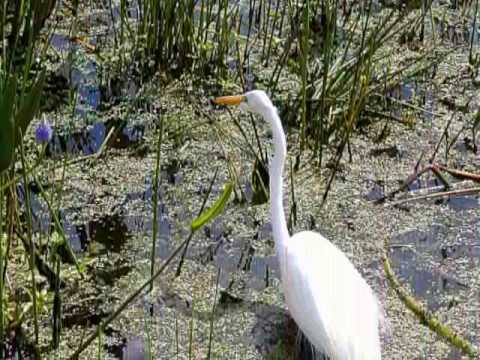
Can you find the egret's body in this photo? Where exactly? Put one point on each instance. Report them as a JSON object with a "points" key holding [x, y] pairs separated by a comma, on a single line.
{"points": [[327, 297], [329, 300]]}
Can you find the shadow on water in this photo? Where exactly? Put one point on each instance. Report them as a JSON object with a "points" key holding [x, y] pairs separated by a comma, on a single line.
{"points": [[95, 89], [91, 94], [466, 145], [89, 140], [376, 190], [40, 214], [109, 274], [404, 91], [240, 255], [82, 315], [460, 202], [81, 77], [455, 202], [457, 35], [418, 184], [276, 336], [111, 232], [16, 345], [123, 348], [411, 91], [409, 255]]}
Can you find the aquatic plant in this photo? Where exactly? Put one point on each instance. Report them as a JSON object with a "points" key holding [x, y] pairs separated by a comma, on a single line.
{"points": [[336, 71], [199, 37]]}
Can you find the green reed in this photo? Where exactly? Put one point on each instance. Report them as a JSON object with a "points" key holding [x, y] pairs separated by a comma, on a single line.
{"points": [[190, 331], [187, 36], [155, 200], [21, 85], [212, 315], [28, 210], [332, 96], [473, 60], [2, 260]]}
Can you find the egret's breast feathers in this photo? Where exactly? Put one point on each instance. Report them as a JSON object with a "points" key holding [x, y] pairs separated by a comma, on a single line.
{"points": [[329, 299]]}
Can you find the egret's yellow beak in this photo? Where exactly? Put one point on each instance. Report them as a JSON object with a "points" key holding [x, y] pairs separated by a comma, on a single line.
{"points": [[229, 100]]}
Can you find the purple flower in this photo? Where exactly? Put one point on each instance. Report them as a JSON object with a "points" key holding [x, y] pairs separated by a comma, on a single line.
{"points": [[43, 132]]}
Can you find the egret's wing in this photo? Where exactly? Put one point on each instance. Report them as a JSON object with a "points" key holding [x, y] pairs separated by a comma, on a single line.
{"points": [[330, 300]]}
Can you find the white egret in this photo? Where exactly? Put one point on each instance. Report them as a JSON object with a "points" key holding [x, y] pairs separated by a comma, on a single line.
{"points": [[326, 296]]}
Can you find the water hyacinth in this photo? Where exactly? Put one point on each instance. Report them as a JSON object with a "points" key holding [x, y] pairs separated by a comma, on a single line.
{"points": [[43, 131]]}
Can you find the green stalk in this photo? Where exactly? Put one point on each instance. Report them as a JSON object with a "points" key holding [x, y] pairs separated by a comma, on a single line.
{"points": [[272, 31], [180, 263], [177, 342], [470, 53], [57, 306], [304, 68], [190, 333], [30, 239], [148, 337], [155, 202], [265, 29], [100, 343], [2, 313], [212, 316], [59, 227], [200, 21]]}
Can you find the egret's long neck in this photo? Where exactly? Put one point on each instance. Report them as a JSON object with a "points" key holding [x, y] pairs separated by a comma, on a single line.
{"points": [[279, 225]]}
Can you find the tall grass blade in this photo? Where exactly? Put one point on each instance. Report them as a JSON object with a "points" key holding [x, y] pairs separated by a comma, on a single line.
{"points": [[29, 108], [7, 124]]}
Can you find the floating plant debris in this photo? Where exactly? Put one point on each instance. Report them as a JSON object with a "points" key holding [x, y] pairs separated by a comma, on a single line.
{"points": [[108, 274], [390, 151]]}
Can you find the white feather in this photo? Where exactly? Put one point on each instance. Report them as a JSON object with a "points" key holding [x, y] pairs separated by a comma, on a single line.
{"points": [[329, 299]]}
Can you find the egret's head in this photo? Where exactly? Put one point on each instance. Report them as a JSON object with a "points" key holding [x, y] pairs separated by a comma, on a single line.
{"points": [[256, 101]]}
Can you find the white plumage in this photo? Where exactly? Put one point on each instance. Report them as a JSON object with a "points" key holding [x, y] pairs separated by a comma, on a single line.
{"points": [[329, 300]]}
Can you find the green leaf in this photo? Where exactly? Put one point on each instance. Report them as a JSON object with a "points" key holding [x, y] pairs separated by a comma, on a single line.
{"points": [[29, 108], [7, 125], [216, 209]]}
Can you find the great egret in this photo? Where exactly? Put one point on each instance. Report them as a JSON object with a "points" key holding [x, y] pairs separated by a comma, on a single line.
{"points": [[326, 296]]}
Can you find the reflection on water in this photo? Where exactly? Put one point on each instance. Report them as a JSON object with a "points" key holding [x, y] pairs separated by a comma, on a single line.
{"points": [[409, 257], [89, 140]]}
